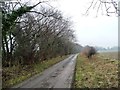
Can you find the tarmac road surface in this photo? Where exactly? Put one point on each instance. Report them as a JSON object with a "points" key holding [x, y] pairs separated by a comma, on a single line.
{"points": [[59, 75]]}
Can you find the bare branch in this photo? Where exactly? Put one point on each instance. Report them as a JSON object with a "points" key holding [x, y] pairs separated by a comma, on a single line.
{"points": [[89, 7], [109, 6]]}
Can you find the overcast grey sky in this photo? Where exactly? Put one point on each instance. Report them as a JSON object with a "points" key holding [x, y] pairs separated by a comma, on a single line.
{"points": [[89, 30]]}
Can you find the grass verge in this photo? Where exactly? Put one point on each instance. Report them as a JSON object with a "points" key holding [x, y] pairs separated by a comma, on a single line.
{"points": [[96, 72], [14, 75]]}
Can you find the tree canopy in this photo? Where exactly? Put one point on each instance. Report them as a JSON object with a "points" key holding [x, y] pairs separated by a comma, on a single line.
{"points": [[29, 36]]}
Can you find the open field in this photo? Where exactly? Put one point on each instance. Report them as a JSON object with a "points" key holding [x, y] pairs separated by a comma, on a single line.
{"points": [[110, 55], [99, 72]]}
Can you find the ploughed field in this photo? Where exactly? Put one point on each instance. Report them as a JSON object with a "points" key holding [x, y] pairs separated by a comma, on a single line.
{"points": [[101, 71]]}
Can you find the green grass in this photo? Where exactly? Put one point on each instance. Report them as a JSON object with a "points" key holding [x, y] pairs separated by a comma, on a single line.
{"points": [[17, 74], [96, 72]]}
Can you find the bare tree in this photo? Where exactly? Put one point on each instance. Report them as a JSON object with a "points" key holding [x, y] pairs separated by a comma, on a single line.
{"points": [[88, 51], [109, 7], [34, 35]]}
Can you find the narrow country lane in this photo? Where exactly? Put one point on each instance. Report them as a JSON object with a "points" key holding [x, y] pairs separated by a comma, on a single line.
{"points": [[58, 76]]}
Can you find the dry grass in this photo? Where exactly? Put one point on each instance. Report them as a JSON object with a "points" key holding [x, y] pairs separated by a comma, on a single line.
{"points": [[96, 72], [110, 55], [17, 74]]}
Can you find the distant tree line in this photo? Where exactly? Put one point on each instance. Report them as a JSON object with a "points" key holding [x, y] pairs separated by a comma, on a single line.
{"points": [[29, 36], [114, 48]]}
